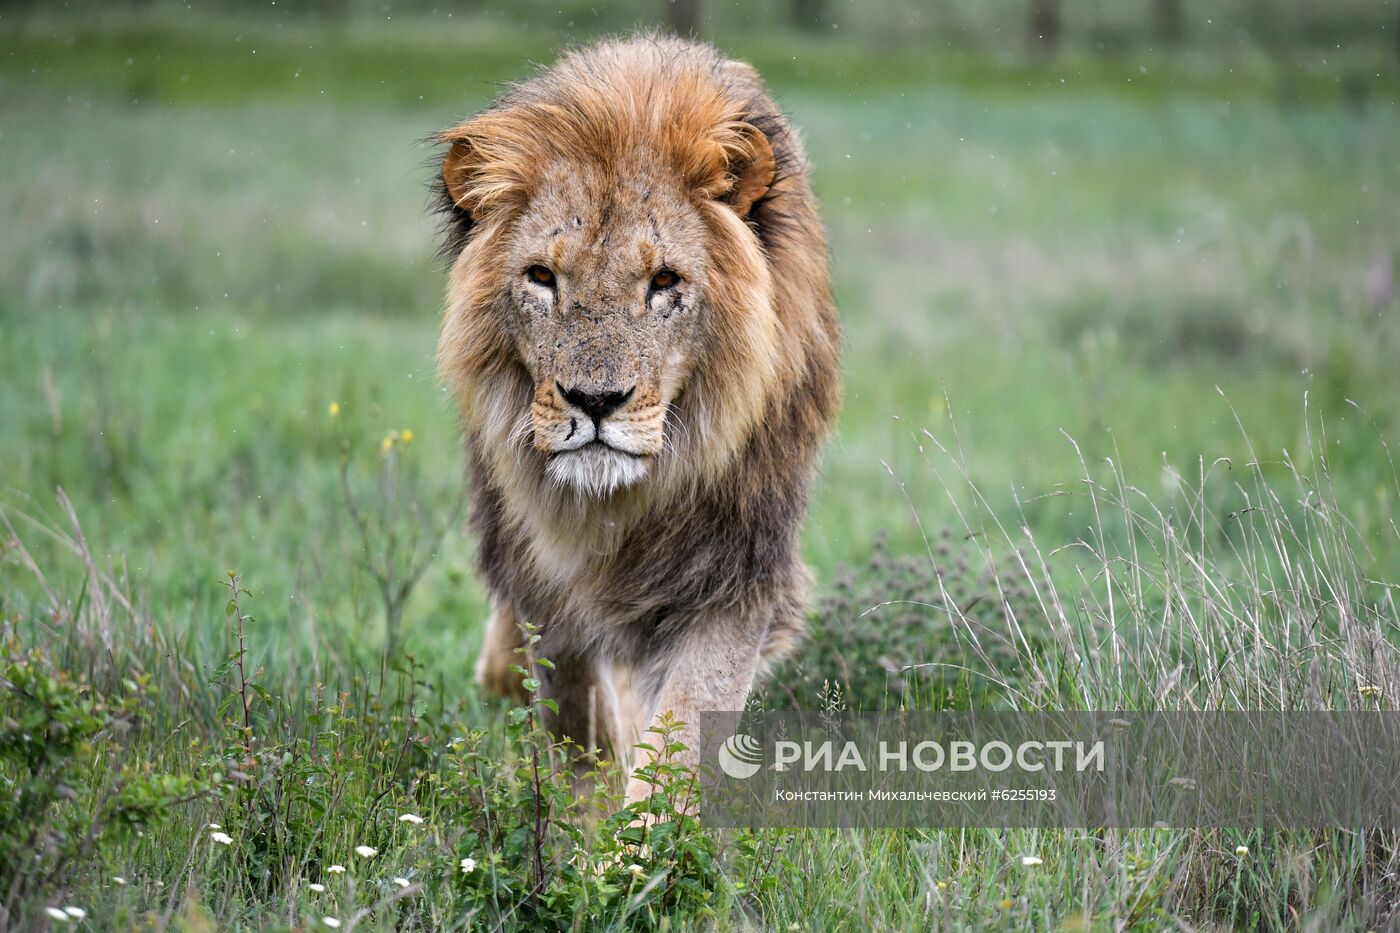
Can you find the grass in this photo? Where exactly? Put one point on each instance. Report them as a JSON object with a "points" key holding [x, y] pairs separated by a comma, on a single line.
{"points": [[209, 246]]}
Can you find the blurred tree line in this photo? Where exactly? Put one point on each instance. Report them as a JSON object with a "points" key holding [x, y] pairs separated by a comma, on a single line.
{"points": [[1043, 26]]}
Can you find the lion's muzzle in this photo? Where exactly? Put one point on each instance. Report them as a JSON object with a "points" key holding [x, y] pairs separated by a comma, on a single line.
{"points": [[595, 403], [595, 441]]}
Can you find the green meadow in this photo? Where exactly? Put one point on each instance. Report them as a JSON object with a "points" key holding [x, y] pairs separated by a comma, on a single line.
{"points": [[1121, 390]]}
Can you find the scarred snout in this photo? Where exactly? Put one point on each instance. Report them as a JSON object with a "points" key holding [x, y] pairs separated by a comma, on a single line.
{"points": [[598, 436], [568, 417], [596, 403]]}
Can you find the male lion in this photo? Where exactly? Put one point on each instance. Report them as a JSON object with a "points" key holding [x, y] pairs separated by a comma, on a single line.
{"points": [[640, 333]]}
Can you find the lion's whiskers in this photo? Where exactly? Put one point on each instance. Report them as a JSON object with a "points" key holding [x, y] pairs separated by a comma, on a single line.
{"points": [[669, 442], [522, 435]]}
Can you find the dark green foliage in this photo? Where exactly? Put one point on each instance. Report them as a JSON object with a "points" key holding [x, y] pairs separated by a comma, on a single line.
{"points": [[947, 628], [501, 828], [68, 783]]}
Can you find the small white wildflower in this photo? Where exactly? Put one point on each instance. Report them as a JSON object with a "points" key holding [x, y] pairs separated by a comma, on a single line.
{"points": [[366, 851], [401, 882], [1241, 851], [317, 887], [222, 838], [413, 818], [637, 870], [215, 826], [77, 913], [336, 869], [330, 922], [1030, 861], [118, 879], [56, 914], [468, 865]]}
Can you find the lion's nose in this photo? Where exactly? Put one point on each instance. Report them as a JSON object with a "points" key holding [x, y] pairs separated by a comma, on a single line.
{"points": [[596, 405]]}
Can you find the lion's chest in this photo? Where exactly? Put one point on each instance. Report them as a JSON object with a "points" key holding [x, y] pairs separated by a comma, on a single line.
{"points": [[568, 584], [618, 595], [628, 587]]}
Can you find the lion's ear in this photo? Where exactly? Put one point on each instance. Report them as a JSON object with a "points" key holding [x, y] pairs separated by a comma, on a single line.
{"points": [[752, 167], [453, 191], [485, 168], [459, 168], [487, 162]]}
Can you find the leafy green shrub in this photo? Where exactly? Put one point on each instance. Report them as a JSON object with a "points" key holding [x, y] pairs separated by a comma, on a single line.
{"points": [[52, 729]]}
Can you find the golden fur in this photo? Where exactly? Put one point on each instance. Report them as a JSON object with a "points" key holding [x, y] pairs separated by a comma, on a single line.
{"points": [[640, 335]]}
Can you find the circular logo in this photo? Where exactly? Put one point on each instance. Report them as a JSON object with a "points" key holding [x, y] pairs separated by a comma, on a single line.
{"points": [[740, 756]]}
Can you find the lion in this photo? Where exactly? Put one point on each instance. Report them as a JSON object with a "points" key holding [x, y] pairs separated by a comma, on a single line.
{"points": [[640, 334]]}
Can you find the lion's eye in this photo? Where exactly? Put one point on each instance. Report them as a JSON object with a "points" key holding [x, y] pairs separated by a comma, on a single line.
{"points": [[540, 275], [664, 279]]}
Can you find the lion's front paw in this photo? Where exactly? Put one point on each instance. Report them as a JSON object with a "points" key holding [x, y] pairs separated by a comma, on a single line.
{"points": [[495, 676], [502, 652]]}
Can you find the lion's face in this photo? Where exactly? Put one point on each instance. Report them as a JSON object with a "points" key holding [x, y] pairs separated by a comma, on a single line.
{"points": [[607, 287], [610, 323]]}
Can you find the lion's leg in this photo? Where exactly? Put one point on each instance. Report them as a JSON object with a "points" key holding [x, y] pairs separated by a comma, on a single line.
{"points": [[500, 651], [584, 712], [621, 709], [713, 670]]}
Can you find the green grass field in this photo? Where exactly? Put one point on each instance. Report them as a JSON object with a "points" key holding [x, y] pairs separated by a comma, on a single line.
{"points": [[1130, 319]]}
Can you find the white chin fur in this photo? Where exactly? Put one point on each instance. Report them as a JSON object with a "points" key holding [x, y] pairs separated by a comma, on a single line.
{"points": [[595, 470]]}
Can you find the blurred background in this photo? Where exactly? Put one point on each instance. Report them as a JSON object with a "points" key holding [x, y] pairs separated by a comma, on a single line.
{"points": [[1069, 237]]}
